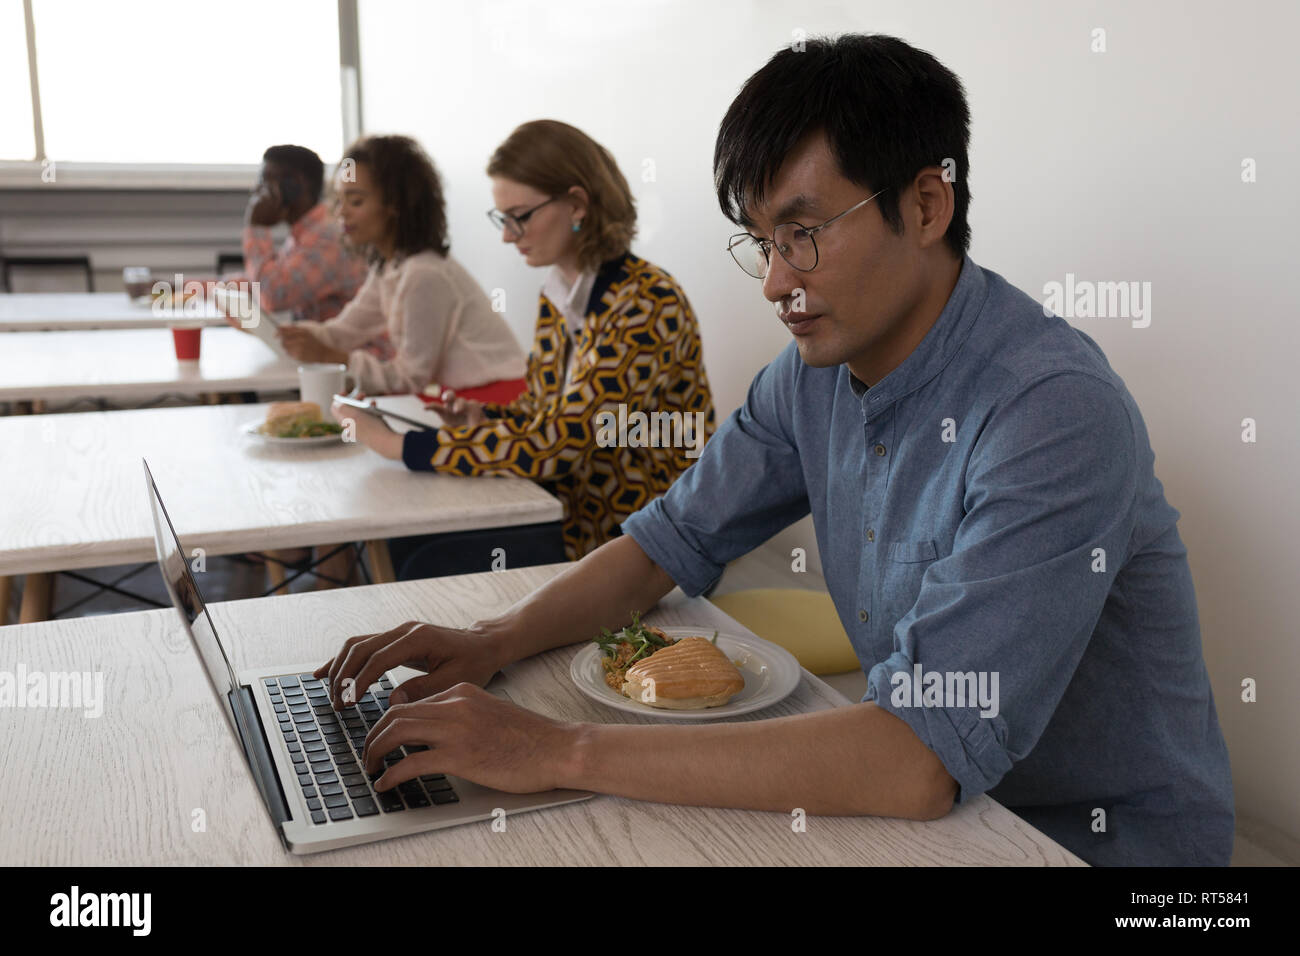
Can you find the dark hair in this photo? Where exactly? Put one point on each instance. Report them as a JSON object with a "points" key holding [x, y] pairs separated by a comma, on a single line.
{"points": [[887, 109], [407, 181], [552, 157], [302, 161]]}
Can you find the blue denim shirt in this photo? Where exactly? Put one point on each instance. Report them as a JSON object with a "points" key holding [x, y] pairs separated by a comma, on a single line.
{"points": [[989, 512]]}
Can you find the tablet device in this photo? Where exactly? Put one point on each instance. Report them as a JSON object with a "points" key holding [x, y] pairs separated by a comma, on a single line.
{"points": [[371, 408], [238, 302]]}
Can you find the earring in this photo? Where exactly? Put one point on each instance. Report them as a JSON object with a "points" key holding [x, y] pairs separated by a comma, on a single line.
{"points": [[577, 226]]}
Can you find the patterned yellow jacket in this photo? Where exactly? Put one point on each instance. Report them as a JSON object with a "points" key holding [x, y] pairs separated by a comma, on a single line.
{"points": [[637, 352]]}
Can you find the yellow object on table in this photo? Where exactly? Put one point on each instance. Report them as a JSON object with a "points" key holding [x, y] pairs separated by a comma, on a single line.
{"points": [[803, 622]]}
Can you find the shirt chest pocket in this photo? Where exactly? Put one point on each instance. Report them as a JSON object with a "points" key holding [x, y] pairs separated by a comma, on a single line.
{"points": [[912, 552], [900, 577]]}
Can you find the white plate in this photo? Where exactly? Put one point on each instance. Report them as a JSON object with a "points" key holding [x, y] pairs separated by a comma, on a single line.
{"points": [[252, 429], [771, 674]]}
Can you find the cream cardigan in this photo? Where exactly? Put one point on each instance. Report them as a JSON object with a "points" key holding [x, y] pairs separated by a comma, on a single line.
{"points": [[439, 323]]}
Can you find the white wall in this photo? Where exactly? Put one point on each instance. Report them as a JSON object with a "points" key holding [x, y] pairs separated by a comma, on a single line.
{"points": [[1122, 165]]}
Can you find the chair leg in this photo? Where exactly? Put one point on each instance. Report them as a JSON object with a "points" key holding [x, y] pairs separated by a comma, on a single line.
{"points": [[275, 573], [6, 595], [38, 598], [381, 562], [338, 566]]}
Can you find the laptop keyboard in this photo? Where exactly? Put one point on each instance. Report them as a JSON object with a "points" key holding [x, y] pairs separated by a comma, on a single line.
{"points": [[326, 747]]}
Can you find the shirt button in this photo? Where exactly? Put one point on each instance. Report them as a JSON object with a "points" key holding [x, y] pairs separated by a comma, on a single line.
{"points": [[880, 449], [862, 616], [871, 534]]}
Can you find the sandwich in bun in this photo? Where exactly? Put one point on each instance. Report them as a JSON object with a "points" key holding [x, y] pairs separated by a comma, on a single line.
{"points": [[690, 675], [296, 420], [646, 665]]}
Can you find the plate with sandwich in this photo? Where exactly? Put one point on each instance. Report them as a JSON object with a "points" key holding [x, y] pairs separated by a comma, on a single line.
{"points": [[684, 673], [295, 423]]}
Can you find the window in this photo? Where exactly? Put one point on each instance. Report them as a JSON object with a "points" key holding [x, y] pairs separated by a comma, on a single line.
{"points": [[17, 132], [153, 82]]}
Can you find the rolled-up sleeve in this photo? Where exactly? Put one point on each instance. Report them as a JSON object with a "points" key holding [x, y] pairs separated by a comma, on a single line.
{"points": [[1050, 503], [746, 486]]}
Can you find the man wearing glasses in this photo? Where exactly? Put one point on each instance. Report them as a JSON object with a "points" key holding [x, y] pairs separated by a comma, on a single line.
{"points": [[982, 488]]}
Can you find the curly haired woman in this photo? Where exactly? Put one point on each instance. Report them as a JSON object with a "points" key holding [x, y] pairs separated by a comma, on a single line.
{"points": [[438, 322]]}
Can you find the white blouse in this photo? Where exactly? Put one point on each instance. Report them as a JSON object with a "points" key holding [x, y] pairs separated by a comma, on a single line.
{"points": [[440, 325], [572, 303]]}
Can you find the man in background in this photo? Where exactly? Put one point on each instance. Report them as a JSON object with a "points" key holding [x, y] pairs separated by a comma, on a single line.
{"points": [[313, 274]]}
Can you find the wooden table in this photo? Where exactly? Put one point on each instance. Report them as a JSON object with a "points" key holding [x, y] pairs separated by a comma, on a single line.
{"points": [[79, 500], [65, 311], [135, 364], [121, 789]]}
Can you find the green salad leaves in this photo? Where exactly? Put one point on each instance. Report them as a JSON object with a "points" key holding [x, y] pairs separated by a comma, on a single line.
{"points": [[308, 430], [645, 641]]}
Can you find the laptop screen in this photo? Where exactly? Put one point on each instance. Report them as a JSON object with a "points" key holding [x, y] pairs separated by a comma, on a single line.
{"points": [[189, 602]]}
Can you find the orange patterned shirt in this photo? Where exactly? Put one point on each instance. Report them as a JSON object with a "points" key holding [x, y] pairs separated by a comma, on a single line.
{"points": [[313, 275]]}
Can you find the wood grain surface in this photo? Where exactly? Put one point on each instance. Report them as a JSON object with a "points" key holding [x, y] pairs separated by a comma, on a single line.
{"points": [[122, 788], [64, 311], [74, 490], [135, 364]]}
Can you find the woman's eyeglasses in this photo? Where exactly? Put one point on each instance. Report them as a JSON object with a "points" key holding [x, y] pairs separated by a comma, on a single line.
{"points": [[514, 225]]}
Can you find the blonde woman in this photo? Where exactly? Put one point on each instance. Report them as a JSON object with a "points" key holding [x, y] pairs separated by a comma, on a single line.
{"points": [[615, 335]]}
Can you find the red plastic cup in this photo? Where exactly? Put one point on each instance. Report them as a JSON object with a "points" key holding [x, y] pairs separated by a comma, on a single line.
{"points": [[187, 343]]}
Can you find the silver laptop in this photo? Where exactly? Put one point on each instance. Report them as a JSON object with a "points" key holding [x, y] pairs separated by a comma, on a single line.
{"points": [[304, 756]]}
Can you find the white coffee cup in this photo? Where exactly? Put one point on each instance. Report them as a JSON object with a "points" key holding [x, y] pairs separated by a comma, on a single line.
{"points": [[319, 382]]}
